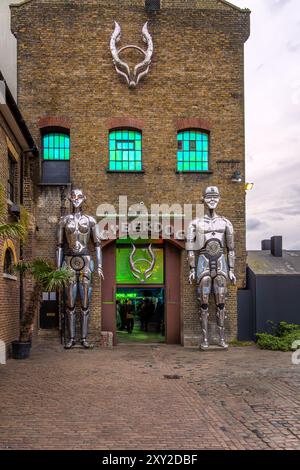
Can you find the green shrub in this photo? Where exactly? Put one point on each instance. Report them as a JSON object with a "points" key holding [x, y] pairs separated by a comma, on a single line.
{"points": [[282, 339]]}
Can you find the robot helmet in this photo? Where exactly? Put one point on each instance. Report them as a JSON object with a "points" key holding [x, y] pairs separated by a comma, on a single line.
{"points": [[211, 191]]}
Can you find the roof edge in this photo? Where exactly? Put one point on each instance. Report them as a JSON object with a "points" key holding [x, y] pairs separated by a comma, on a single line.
{"points": [[15, 5], [225, 2], [235, 7], [13, 107]]}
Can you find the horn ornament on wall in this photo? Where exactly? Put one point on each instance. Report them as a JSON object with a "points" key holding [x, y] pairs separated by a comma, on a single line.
{"points": [[122, 68], [142, 276]]}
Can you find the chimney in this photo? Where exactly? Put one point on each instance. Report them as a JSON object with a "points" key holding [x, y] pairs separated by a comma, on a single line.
{"points": [[152, 6], [276, 246], [266, 245]]}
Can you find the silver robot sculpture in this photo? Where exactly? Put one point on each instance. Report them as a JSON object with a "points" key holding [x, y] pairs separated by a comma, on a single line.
{"points": [[212, 235], [77, 229]]}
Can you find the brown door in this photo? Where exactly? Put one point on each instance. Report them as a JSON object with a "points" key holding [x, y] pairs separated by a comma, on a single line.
{"points": [[172, 282], [108, 313]]}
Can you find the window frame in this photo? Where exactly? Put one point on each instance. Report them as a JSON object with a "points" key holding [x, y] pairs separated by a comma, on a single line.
{"points": [[126, 129], [55, 130], [196, 130], [9, 252], [46, 178], [11, 184]]}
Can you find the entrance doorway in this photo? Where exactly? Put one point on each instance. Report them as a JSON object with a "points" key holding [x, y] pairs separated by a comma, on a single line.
{"points": [[170, 284], [140, 314], [49, 315]]}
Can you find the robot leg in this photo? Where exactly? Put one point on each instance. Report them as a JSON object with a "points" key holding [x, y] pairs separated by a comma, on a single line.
{"points": [[204, 289], [71, 311], [85, 292], [220, 289]]}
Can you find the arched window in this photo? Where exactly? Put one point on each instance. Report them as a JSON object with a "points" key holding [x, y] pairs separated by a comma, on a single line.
{"points": [[56, 156], [56, 146], [125, 150], [8, 262], [193, 150]]}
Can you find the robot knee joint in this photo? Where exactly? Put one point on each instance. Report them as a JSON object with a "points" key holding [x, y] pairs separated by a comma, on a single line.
{"points": [[221, 306]]}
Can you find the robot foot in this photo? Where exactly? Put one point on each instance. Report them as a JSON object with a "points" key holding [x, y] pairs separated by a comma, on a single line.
{"points": [[204, 345], [85, 344], [70, 344], [223, 344]]}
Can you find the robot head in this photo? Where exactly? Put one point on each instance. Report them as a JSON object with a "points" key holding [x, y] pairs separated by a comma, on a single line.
{"points": [[77, 198], [211, 197]]}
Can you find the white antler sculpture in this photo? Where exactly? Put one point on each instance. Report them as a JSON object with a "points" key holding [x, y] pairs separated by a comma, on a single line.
{"points": [[141, 69]]}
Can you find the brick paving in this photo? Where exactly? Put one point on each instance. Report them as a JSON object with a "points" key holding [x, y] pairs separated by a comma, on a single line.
{"points": [[150, 397]]}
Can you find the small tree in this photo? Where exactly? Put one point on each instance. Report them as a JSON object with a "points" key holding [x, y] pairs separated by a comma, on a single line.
{"points": [[15, 230], [47, 278]]}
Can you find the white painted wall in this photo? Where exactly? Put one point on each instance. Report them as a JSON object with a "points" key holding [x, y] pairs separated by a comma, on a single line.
{"points": [[8, 47]]}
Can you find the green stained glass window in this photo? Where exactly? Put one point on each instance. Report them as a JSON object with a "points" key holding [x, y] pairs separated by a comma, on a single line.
{"points": [[125, 150], [193, 150], [56, 146]]}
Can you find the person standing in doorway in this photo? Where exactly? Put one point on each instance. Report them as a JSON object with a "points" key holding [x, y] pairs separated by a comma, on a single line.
{"points": [[129, 316]]}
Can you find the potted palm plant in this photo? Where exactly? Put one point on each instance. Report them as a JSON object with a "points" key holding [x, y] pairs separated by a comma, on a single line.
{"points": [[46, 279], [45, 275]]}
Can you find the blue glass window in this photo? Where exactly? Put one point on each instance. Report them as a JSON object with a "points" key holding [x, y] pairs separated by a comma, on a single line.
{"points": [[193, 150], [125, 150], [56, 146]]}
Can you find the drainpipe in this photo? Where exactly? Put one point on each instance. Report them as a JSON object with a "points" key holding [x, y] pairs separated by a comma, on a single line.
{"points": [[21, 243], [23, 153]]}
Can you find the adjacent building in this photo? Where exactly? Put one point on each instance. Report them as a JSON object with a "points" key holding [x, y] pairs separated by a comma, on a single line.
{"points": [[17, 150], [163, 141], [271, 294]]}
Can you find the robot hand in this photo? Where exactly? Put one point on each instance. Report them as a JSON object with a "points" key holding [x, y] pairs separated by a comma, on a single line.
{"points": [[192, 275], [100, 272], [232, 277]]}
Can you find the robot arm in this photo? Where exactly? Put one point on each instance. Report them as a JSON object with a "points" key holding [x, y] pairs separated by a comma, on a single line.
{"points": [[230, 250], [60, 240], [190, 246], [97, 242]]}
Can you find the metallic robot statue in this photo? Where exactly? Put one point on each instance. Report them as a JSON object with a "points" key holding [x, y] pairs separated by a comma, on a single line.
{"points": [[211, 235], [77, 229]]}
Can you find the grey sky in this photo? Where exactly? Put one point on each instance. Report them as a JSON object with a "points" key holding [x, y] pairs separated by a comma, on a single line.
{"points": [[272, 115], [8, 44], [273, 120]]}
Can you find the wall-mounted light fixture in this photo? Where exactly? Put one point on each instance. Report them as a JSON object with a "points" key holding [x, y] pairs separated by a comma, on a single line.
{"points": [[249, 186], [152, 5], [237, 177]]}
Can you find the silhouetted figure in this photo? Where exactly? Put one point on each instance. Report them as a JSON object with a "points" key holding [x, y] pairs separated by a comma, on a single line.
{"points": [[123, 316], [160, 317], [129, 316]]}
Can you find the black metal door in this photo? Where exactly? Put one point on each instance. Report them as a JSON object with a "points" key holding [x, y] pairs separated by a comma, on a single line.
{"points": [[49, 312]]}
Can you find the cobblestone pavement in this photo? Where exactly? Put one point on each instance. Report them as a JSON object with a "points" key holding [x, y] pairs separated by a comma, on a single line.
{"points": [[150, 397]]}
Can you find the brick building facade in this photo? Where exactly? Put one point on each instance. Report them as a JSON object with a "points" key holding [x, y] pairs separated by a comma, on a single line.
{"points": [[68, 84], [16, 183]]}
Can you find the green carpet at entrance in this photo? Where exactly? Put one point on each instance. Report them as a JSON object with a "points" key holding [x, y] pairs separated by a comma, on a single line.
{"points": [[138, 336]]}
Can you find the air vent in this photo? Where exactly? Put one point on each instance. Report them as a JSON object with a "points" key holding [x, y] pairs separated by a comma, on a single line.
{"points": [[152, 5]]}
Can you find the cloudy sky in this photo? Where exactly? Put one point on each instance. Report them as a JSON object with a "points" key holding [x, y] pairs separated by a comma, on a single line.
{"points": [[272, 117], [273, 121]]}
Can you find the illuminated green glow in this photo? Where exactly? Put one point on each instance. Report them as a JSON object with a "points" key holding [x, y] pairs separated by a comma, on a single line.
{"points": [[56, 146], [128, 295], [123, 270], [193, 148], [125, 150]]}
